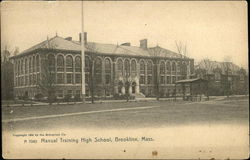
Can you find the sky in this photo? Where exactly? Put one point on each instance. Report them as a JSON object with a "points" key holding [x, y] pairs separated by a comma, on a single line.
{"points": [[210, 29]]}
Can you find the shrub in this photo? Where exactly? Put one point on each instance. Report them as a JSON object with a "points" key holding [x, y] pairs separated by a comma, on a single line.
{"points": [[67, 98], [38, 96], [77, 98]]}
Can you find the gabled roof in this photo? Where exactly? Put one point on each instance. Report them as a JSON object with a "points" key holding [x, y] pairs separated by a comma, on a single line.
{"points": [[210, 66], [162, 52], [70, 45]]}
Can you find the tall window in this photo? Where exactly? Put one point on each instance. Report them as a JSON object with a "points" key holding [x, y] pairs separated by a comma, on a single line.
{"points": [[127, 67], [178, 67], [69, 68], [37, 63], [30, 64], [142, 72], [173, 67], [107, 71], [51, 62], [120, 66], [162, 68], [162, 72], [78, 78], [26, 67], [87, 70], [150, 72], [217, 76], [87, 64], [133, 66], [33, 64], [98, 71], [78, 64], [60, 78], [21, 66], [69, 78], [69, 64], [60, 63]]}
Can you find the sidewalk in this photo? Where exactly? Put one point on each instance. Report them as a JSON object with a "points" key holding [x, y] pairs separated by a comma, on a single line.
{"points": [[214, 98]]}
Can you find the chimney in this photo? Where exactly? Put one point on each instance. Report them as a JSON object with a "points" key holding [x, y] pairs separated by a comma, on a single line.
{"points": [[69, 38], [125, 44], [144, 43], [85, 37]]}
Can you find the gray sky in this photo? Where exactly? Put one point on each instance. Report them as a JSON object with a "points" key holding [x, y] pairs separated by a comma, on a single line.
{"points": [[214, 30]]}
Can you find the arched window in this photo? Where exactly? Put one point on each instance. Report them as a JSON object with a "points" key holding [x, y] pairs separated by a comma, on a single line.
{"points": [[142, 67], [127, 67], [21, 66], [37, 63], [87, 64], [60, 63], [150, 72], [98, 71], [162, 68], [78, 68], [60, 68], [69, 68], [30, 64], [162, 72], [26, 66], [168, 68], [69, 64], [142, 72], [173, 67], [78, 64], [87, 70], [133, 66], [120, 66], [107, 71], [33, 62]]}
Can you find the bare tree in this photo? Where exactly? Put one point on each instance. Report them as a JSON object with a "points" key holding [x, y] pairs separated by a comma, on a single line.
{"points": [[181, 48], [227, 61], [47, 80]]}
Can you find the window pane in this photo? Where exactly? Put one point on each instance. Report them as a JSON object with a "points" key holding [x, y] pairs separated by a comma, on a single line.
{"points": [[69, 78]]}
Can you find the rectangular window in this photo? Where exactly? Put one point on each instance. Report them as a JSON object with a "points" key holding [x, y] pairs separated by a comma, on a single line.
{"points": [[60, 69], [38, 78], [87, 78], [149, 79], [78, 93], [34, 79], [87, 92], [31, 78], [59, 93], [142, 80], [69, 79], [173, 79], [26, 80], [60, 78], [168, 80], [162, 80], [70, 92], [78, 78]]}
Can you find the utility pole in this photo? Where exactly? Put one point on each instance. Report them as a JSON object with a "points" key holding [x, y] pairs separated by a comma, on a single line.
{"points": [[83, 57]]}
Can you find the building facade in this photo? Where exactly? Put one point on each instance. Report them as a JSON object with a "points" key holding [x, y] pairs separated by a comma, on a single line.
{"points": [[109, 69], [225, 78]]}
